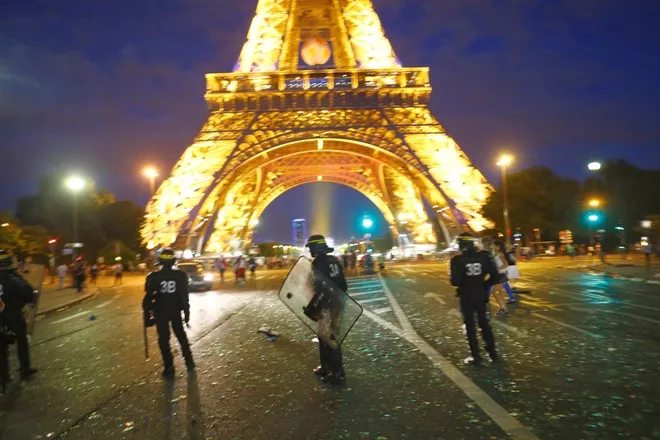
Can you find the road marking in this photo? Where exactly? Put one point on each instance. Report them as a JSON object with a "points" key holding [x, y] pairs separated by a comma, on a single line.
{"points": [[362, 277], [509, 424], [382, 310], [563, 324], [116, 297], [396, 308], [370, 300], [615, 312], [103, 304], [71, 317], [436, 297], [362, 292], [410, 280], [353, 295], [357, 283], [511, 328]]}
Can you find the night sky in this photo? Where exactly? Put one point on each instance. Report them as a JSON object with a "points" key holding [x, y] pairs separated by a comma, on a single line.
{"points": [[105, 86]]}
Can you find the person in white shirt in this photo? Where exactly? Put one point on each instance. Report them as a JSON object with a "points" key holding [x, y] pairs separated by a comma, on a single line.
{"points": [[62, 269]]}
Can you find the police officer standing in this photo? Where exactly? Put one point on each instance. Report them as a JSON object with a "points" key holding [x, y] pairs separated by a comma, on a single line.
{"points": [[327, 304], [166, 297], [468, 274], [16, 293]]}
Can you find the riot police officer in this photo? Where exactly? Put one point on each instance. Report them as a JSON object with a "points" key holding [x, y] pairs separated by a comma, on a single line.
{"points": [[16, 293], [166, 297], [327, 303], [468, 274]]}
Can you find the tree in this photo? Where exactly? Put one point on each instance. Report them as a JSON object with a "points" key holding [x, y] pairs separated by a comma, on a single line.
{"points": [[538, 198], [120, 221], [22, 240]]}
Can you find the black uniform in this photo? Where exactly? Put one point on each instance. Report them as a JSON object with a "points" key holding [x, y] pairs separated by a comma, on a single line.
{"points": [[327, 267], [167, 296], [16, 293], [468, 273]]}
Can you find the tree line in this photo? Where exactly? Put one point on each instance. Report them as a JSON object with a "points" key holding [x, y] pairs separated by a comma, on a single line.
{"points": [[107, 227], [540, 199]]}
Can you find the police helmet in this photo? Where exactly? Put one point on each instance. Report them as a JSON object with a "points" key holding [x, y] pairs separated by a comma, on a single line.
{"points": [[317, 245], [466, 241], [166, 257], [6, 258]]}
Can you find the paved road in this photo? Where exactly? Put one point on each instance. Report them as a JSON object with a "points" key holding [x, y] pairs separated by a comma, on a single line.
{"points": [[581, 357]]}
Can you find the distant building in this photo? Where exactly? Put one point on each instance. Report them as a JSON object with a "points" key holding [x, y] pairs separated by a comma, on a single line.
{"points": [[299, 232]]}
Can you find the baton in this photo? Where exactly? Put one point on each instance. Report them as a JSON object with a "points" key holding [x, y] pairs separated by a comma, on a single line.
{"points": [[146, 343]]}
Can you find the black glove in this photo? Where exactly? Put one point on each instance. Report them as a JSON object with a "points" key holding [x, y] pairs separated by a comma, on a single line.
{"points": [[149, 319], [186, 316], [311, 313]]}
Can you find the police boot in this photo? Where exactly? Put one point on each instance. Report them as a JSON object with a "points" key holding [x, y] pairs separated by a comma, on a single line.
{"points": [[321, 371], [475, 361], [27, 373], [190, 363], [494, 357], [335, 378], [168, 371]]}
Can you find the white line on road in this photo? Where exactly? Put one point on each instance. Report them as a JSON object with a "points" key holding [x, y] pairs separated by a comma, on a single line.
{"points": [[436, 297], [359, 283], [498, 414], [351, 294], [563, 324], [382, 310], [370, 300], [71, 317], [103, 304], [362, 292], [410, 280]]}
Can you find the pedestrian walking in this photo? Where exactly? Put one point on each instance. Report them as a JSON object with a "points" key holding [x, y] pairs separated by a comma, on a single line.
{"points": [[166, 297], [118, 270], [353, 262], [468, 274], [62, 270], [221, 265], [241, 266], [502, 263], [79, 274], [252, 265], [93, 274]]}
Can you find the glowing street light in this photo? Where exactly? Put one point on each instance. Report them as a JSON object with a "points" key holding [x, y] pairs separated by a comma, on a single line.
{"points": [[594, 203], [151, 174], [594, 166], [504, 161], [4, 225], [75, 184], [593, 218], [367, 223]]}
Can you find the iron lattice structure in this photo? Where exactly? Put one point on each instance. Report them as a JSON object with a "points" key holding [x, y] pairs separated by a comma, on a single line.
{"points": [[317, 94]]}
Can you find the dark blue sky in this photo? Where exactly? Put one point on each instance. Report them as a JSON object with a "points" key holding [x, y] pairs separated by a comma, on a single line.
{"points": [[105, 86]]}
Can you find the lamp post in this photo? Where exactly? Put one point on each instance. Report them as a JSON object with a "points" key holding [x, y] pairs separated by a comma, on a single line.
{"points": [[75, 184], [151, 174], [504, 161], [594, 166]]}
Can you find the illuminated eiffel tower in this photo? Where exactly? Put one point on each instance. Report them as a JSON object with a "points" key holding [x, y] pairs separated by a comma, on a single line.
{"points": [[317, 94]]}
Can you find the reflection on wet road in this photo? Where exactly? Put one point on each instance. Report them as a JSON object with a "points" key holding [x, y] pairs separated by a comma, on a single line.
{"points": [[580, 360]]}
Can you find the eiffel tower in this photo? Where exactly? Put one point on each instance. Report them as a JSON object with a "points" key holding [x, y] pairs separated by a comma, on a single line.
{"points": [[317, 94]]}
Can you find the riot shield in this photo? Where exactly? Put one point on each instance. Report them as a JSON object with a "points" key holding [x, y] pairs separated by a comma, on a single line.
{"points": [[34, 275], [332, 323]]}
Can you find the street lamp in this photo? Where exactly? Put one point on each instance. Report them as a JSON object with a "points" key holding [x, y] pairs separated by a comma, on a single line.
{"points": [[75, 184], [505, 160], [594, 166], [593, 218], [594, 203], [151, 174], [367, 223]]}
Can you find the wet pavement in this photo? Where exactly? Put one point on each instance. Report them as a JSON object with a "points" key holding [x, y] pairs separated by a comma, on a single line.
{"points": [[581, 359]]}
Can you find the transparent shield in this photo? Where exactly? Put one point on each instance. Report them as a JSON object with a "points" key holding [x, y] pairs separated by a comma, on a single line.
{"points": [[333, 321], [34, 275]]}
